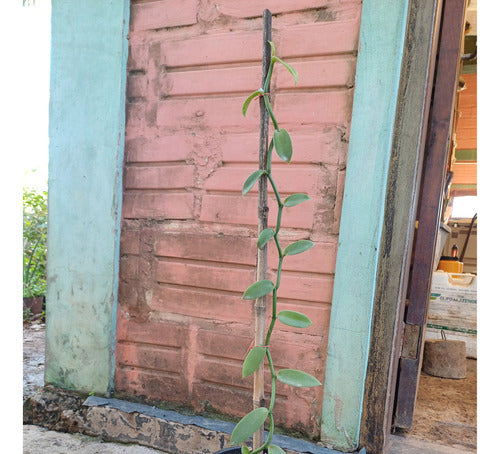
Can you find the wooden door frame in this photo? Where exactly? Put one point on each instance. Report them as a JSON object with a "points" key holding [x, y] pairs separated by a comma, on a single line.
{"points": [[404, 179], [399, 218], [430, 205]]}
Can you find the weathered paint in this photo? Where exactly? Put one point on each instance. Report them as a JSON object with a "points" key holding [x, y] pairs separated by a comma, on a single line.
{"points": [[87, 121], [377, 81]]}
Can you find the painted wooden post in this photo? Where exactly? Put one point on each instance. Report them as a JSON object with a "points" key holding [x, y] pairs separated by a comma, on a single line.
{"points": [[86, 129], [376, 88], [410, 133]]}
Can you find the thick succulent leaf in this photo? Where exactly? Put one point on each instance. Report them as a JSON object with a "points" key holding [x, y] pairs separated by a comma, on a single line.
{"points": [[297, 247], [253, 360], [245, 450], [264, 237], [248, 425], [273, 449], [297, 378], [258, 289], [295, 199], [290, 69], [295, 319], [283, 144], [251, 180], [249, 100]]}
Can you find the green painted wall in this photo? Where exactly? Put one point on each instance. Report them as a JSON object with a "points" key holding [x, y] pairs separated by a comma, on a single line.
{"points": [[382, 33], [89, 51]]}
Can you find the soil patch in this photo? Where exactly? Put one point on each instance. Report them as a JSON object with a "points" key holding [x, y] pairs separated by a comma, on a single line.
{"points": [[33, 357], [446, 410]]}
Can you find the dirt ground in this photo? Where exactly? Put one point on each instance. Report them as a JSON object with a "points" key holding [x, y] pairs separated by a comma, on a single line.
{"points": [[33, 357], [446, 410], [445, 413]]}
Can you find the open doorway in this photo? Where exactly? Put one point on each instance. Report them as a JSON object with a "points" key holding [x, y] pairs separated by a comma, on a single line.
{"points": [[445, 410]]}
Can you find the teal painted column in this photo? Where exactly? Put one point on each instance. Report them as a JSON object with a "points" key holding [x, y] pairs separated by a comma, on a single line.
{"points": [[89, 52], [382, 33]]}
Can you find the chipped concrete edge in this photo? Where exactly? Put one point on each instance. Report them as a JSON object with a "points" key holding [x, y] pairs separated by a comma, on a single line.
{"points": [[128, 422]]}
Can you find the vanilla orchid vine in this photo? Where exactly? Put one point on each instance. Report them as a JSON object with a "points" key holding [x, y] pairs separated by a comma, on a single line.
{"points": [[282, 144]]}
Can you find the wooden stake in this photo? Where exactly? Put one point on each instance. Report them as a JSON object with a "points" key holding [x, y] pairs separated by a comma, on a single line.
{"points": [[263, 210]]}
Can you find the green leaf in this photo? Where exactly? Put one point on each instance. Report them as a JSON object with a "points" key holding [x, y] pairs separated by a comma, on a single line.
{"points": [[253, 360], [258, 289], [290, 69], [264, 237], [295, 319], [295, 199], [297, 247], [245, 450], [273, 50], [283, 144], [248, 425], [273, 449], [251, 180], [249, 100], [297, 378]]}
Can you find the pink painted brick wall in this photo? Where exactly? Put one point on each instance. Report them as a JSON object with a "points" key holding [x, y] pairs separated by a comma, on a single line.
{"points": [[188, 236]]}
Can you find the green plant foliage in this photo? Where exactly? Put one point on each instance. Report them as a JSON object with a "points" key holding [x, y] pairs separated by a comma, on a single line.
{"points": [[295, 319], [295, 199], [249, 100], [290, 69], [251, 180], [297, 378], [258, 289], [265, 236], [298, 247], [34, 242], [273, 449], [248, 425], [253, 360], [282, 143]]}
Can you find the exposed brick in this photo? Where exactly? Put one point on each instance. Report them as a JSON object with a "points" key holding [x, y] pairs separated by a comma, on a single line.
{"points": [[161, 14], [158, 149], [211, 81], [233, 249], [188, 239], [138, 56], [129, 267], [289, 179], [137, 87], [204, 276], [216, 248], [158, 206], [159, 177], [150, 357], [151, 385], [246, 79], [318, 146], [129, 241], [329, 107], [212, 49], [166, 334], [321, 38], [236, 8], [201, 304], [242, 210]]}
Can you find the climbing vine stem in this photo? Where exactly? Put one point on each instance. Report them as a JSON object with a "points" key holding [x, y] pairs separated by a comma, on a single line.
{"points": [[282, 144]]}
